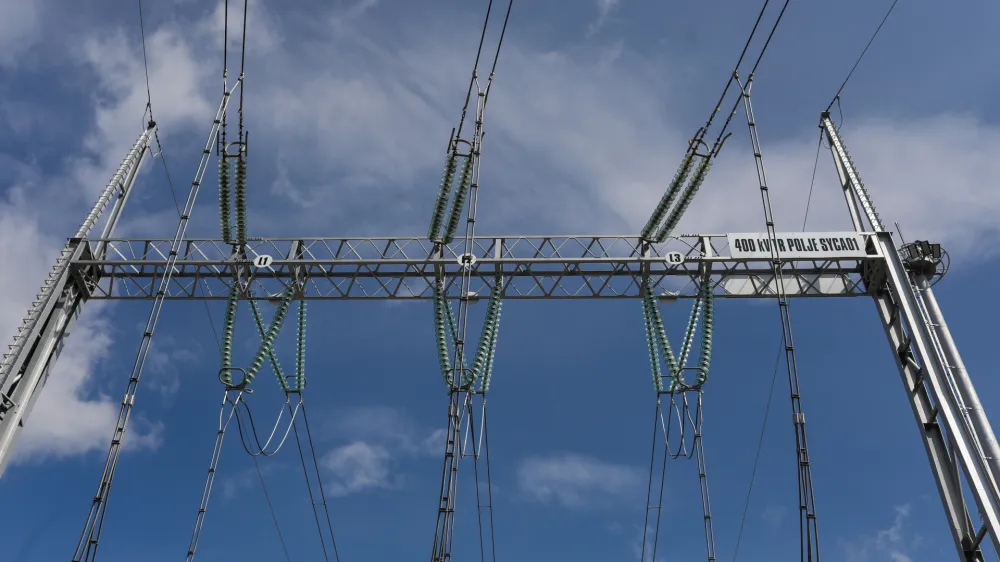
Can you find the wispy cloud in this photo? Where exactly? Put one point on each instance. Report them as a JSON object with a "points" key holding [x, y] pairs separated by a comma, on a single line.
{"points": [[893, 543], [235, 484], [68, 418], [604, 9], [357, 467], [576, 481], [380, 439], [18, 28]]}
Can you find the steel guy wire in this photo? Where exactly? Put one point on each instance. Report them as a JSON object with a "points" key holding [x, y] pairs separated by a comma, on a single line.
{"points": [[322, 493], [836, 96], [270, 508]]}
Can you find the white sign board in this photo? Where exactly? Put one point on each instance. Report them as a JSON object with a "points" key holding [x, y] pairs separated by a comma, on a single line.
{"points": [[798, 245]]}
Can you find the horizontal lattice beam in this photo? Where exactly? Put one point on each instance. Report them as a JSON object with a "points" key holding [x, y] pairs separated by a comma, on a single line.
{"points": [[534, 267]]}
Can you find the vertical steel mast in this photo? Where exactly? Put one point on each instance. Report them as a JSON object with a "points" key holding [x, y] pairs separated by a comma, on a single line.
{"points": [[25, 366], [955, 430]]}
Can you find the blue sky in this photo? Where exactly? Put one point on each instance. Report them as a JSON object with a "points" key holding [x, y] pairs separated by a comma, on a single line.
{"points": [[350, 104]]}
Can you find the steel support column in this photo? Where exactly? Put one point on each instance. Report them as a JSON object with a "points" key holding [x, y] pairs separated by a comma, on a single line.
{"points": [[927, 374], [26, 365]]}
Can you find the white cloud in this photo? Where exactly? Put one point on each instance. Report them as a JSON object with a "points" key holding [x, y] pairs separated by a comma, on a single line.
{"points": [[576, 481], [358, 467], [580, 139], [604, 9], [391, 428], [366, 463], [584, 139], [893, 543], [18, 28], [67, 419], [177, 80], [236, 483]]}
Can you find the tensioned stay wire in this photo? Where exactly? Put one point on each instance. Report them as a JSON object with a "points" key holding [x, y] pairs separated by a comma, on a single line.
{"points": [[862, 55], [760, 446], [162, 155], [305, 472]]}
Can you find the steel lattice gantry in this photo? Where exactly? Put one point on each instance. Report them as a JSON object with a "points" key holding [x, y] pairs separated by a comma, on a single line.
{"points": [[956, 434]]}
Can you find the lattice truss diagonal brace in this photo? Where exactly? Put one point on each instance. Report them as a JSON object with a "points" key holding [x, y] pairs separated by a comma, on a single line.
{"points": [[27, 363]]}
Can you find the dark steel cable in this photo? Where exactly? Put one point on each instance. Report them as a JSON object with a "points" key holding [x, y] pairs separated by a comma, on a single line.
{"points": [[319, 480], [270, 507], [225, 41], [739, 61], [503, 32], [312, 501], [173, 193], [865, 50], [261, 452], [657, 418], [489, 480], [159, 146], [812, 182], [475, 476], [721, 136], [145, 65], [475, 70], [243, 55], [760, 445]]}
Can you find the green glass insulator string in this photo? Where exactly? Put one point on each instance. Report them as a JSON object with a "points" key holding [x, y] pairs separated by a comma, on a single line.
{"points": [[461, 193], [443, 329], [268, 344], [649, 231], [241, 201], [693, 186], [228, 327], [300, 349], [658, 342], [224, 199], [444, 193], [282, 382]]}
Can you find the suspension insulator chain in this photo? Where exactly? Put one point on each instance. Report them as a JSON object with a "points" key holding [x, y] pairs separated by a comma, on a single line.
{"points": [[444, 328], [229, 325], [462, 191], [241, 200], [224, 199], [649, 231], [444, 331], [270, 353], [659, 343], [441, 205], [685, 201], [267, 346], [300, 349]]}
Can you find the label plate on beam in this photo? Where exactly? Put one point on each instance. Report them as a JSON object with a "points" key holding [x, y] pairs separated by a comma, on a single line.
{"points": [[798, 245]]}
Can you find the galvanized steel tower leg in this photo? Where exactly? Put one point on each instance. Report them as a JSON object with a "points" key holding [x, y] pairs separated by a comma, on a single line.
{"points": [[926, 376], [25, 366]]}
